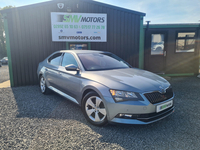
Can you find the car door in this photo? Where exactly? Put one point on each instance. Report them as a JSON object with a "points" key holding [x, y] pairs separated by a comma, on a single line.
{"points": [[70, 80], [51, 71]]}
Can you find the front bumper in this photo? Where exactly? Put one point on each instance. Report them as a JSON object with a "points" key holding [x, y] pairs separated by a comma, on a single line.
{"points": [[144, 118], [141, 112]]}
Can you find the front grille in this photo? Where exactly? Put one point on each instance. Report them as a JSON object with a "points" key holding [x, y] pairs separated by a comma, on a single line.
{"points": [[157, 97]]}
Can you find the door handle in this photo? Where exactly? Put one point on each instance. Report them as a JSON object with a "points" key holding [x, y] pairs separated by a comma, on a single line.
{"points": [[59, 73], [165, 53], [46, 69]]}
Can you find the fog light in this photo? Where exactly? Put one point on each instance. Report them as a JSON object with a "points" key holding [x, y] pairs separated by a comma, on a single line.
{"points": [[128, 115], [125, 115], [121, 115]]}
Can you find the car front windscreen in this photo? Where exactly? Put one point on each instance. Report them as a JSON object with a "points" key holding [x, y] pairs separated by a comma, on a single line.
{"points": [[101, 61]]}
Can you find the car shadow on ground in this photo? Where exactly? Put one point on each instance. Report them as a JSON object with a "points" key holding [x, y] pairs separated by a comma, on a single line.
{"points": [[180, 130]]}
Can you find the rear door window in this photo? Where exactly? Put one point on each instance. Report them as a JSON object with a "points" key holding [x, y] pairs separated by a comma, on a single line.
{"points": [[55, 59]]}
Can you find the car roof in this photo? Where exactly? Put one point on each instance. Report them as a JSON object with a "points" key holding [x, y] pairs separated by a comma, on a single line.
{"points": [[82, 51]]}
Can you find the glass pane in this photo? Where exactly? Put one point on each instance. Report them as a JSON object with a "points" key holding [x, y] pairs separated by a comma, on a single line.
{"points": [[55, 59], [186, 34], [103, 61], [69, 59], [157, 44], [185, 45], [78, 46]]}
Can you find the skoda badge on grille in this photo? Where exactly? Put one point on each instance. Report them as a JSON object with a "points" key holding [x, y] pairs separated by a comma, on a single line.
{"points": [[162, 90]]}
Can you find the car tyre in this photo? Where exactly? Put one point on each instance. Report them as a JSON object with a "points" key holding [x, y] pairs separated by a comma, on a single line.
{"points": [[94, 109], [43, 86]]}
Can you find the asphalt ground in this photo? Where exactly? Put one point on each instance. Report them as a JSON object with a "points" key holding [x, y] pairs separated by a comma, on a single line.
{"points": [[4, 73], [31, 120]]}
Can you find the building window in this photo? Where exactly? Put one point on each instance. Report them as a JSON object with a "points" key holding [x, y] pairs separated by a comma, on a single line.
{"points": [[185, 42], [157, 44]]}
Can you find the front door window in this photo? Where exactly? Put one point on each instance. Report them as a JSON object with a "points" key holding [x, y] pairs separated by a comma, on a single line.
{"points": [[68, 59]]}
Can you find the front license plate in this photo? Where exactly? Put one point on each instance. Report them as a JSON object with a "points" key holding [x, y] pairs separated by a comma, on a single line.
{"points": [[164, 106]]}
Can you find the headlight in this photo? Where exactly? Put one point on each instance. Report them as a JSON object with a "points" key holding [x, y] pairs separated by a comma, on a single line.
{"points": [[124, 96]]}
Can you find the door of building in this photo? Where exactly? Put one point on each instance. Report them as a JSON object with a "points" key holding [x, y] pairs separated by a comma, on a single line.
{"points": [[155, 51]]}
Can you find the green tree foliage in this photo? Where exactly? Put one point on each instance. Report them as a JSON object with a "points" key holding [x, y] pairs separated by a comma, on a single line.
{"points": [[2, 35]]}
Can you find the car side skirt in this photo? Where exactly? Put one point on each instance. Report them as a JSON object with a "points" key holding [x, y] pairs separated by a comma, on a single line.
{"points": [[63, 94]]}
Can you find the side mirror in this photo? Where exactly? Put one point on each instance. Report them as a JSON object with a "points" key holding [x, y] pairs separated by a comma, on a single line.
{"points": [[72, 67]]}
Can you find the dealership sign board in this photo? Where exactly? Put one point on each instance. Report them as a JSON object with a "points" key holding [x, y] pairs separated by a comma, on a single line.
{"points": [[82, 27]]}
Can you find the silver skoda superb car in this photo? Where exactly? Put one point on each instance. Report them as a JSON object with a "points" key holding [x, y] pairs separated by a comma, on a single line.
{"points": [[106, 87]]}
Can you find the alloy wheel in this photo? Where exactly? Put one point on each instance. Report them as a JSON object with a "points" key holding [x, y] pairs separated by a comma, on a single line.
{"points": [[42, 84], [95, 109]]}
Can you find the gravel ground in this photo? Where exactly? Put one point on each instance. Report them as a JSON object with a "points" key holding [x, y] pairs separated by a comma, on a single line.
{"points": [[4, 73], [30, 120]]}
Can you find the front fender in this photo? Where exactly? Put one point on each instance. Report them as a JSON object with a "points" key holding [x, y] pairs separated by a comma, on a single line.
{"points": [[101, 90]]}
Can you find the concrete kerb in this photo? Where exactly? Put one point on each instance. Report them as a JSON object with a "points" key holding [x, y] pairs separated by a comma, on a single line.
{"points": [[5, 84]]}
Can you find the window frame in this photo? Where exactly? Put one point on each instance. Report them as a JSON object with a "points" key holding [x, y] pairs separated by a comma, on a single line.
{"points": [[183, 38]]}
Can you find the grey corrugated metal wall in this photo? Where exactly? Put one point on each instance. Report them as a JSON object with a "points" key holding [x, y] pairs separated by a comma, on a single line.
{"points": [[30, 35]]}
